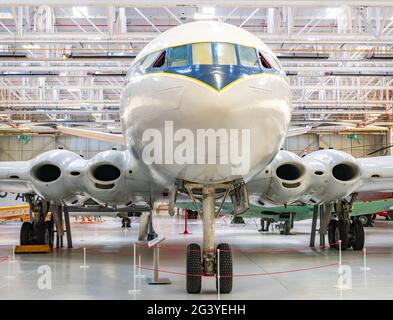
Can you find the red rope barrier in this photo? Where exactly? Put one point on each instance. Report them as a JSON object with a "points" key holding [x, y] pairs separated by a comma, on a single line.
{"points": [[254, 274], [182, 249]]}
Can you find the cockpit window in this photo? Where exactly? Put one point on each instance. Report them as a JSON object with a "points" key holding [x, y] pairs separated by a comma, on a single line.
{"points": [[136, 69], [178, 56], [226, 53], [149, 60], [160, 61], [248, 57], [274, 62], [264, 61], [202, 53]]}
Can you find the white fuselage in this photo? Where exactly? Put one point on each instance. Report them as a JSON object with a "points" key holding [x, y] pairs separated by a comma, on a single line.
{"points": [[257, 103]]}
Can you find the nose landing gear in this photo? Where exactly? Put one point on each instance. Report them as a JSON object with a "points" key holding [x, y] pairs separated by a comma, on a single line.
{"points": [[206, 261]]}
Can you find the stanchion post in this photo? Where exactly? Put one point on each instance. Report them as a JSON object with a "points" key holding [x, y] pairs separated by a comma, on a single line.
{"points": [[84, 266], [218, 274], [348, 275], [186, 223], [339, 254], [185, 232], [139, 267], [156, 280], [13, 254], [156, 261], [9, 276], [365, 268], [133, 291]]}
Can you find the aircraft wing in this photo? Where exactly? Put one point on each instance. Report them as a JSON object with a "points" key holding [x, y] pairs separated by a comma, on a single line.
{"points": [[12, 179], [90, 134], [320, 177], [297, 131], [119, 139]]}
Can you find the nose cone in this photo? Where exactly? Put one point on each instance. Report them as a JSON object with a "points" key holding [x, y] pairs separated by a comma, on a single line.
{"points": [[211, 136]]}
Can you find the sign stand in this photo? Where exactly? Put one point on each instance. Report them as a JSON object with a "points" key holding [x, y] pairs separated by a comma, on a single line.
{"points": [[155, 280]]}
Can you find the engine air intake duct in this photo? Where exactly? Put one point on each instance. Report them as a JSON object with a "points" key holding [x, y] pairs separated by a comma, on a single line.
{"points": [[47, 173], [106, 173], [289, 172], [345, 171]]}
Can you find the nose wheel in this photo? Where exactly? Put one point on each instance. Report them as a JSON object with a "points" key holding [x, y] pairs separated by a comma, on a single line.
{"points": [[225, 274], [223, 268], [194, 268]]}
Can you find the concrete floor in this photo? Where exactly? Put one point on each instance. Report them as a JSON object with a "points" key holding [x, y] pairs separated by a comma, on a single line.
{"points": [[267, 266]]}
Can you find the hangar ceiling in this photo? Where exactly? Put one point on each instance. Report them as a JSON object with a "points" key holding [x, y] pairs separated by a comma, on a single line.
{"points": [[65, 63]]}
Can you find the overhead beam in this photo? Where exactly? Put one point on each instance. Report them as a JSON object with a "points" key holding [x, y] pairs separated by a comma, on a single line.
{"points": [[222, 3], [145, 37]]}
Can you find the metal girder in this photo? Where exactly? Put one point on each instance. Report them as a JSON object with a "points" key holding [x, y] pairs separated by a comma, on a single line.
{"points": [[147, 19], [221, 3], [249, 17], [346, 33], [146, 36]]}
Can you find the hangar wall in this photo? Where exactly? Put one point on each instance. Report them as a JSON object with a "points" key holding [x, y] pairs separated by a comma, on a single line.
{"points": [[12, 149], [359, 146]]}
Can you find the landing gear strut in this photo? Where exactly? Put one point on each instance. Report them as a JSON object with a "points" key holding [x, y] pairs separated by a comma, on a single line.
{"points": [[39, 231], [205, 262], [349, 230]]}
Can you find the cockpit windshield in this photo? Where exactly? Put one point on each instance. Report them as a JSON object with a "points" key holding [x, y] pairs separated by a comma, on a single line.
{"points": [[204, 54]]}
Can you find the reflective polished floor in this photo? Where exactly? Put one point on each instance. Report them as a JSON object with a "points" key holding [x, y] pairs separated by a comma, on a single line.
{"points": [[266, 265]]}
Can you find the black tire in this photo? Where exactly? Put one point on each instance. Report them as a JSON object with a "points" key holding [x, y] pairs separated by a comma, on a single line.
{"points": [[237, 220], [51, 233], [226, 268], [42, 234], [194, 268], [332, 233], [26, 233], [192, 214], [286, 228], [342, 233], [357, 231]]}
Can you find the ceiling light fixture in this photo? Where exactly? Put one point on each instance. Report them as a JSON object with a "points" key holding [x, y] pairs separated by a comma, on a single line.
{"points": [[207, 13]]}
